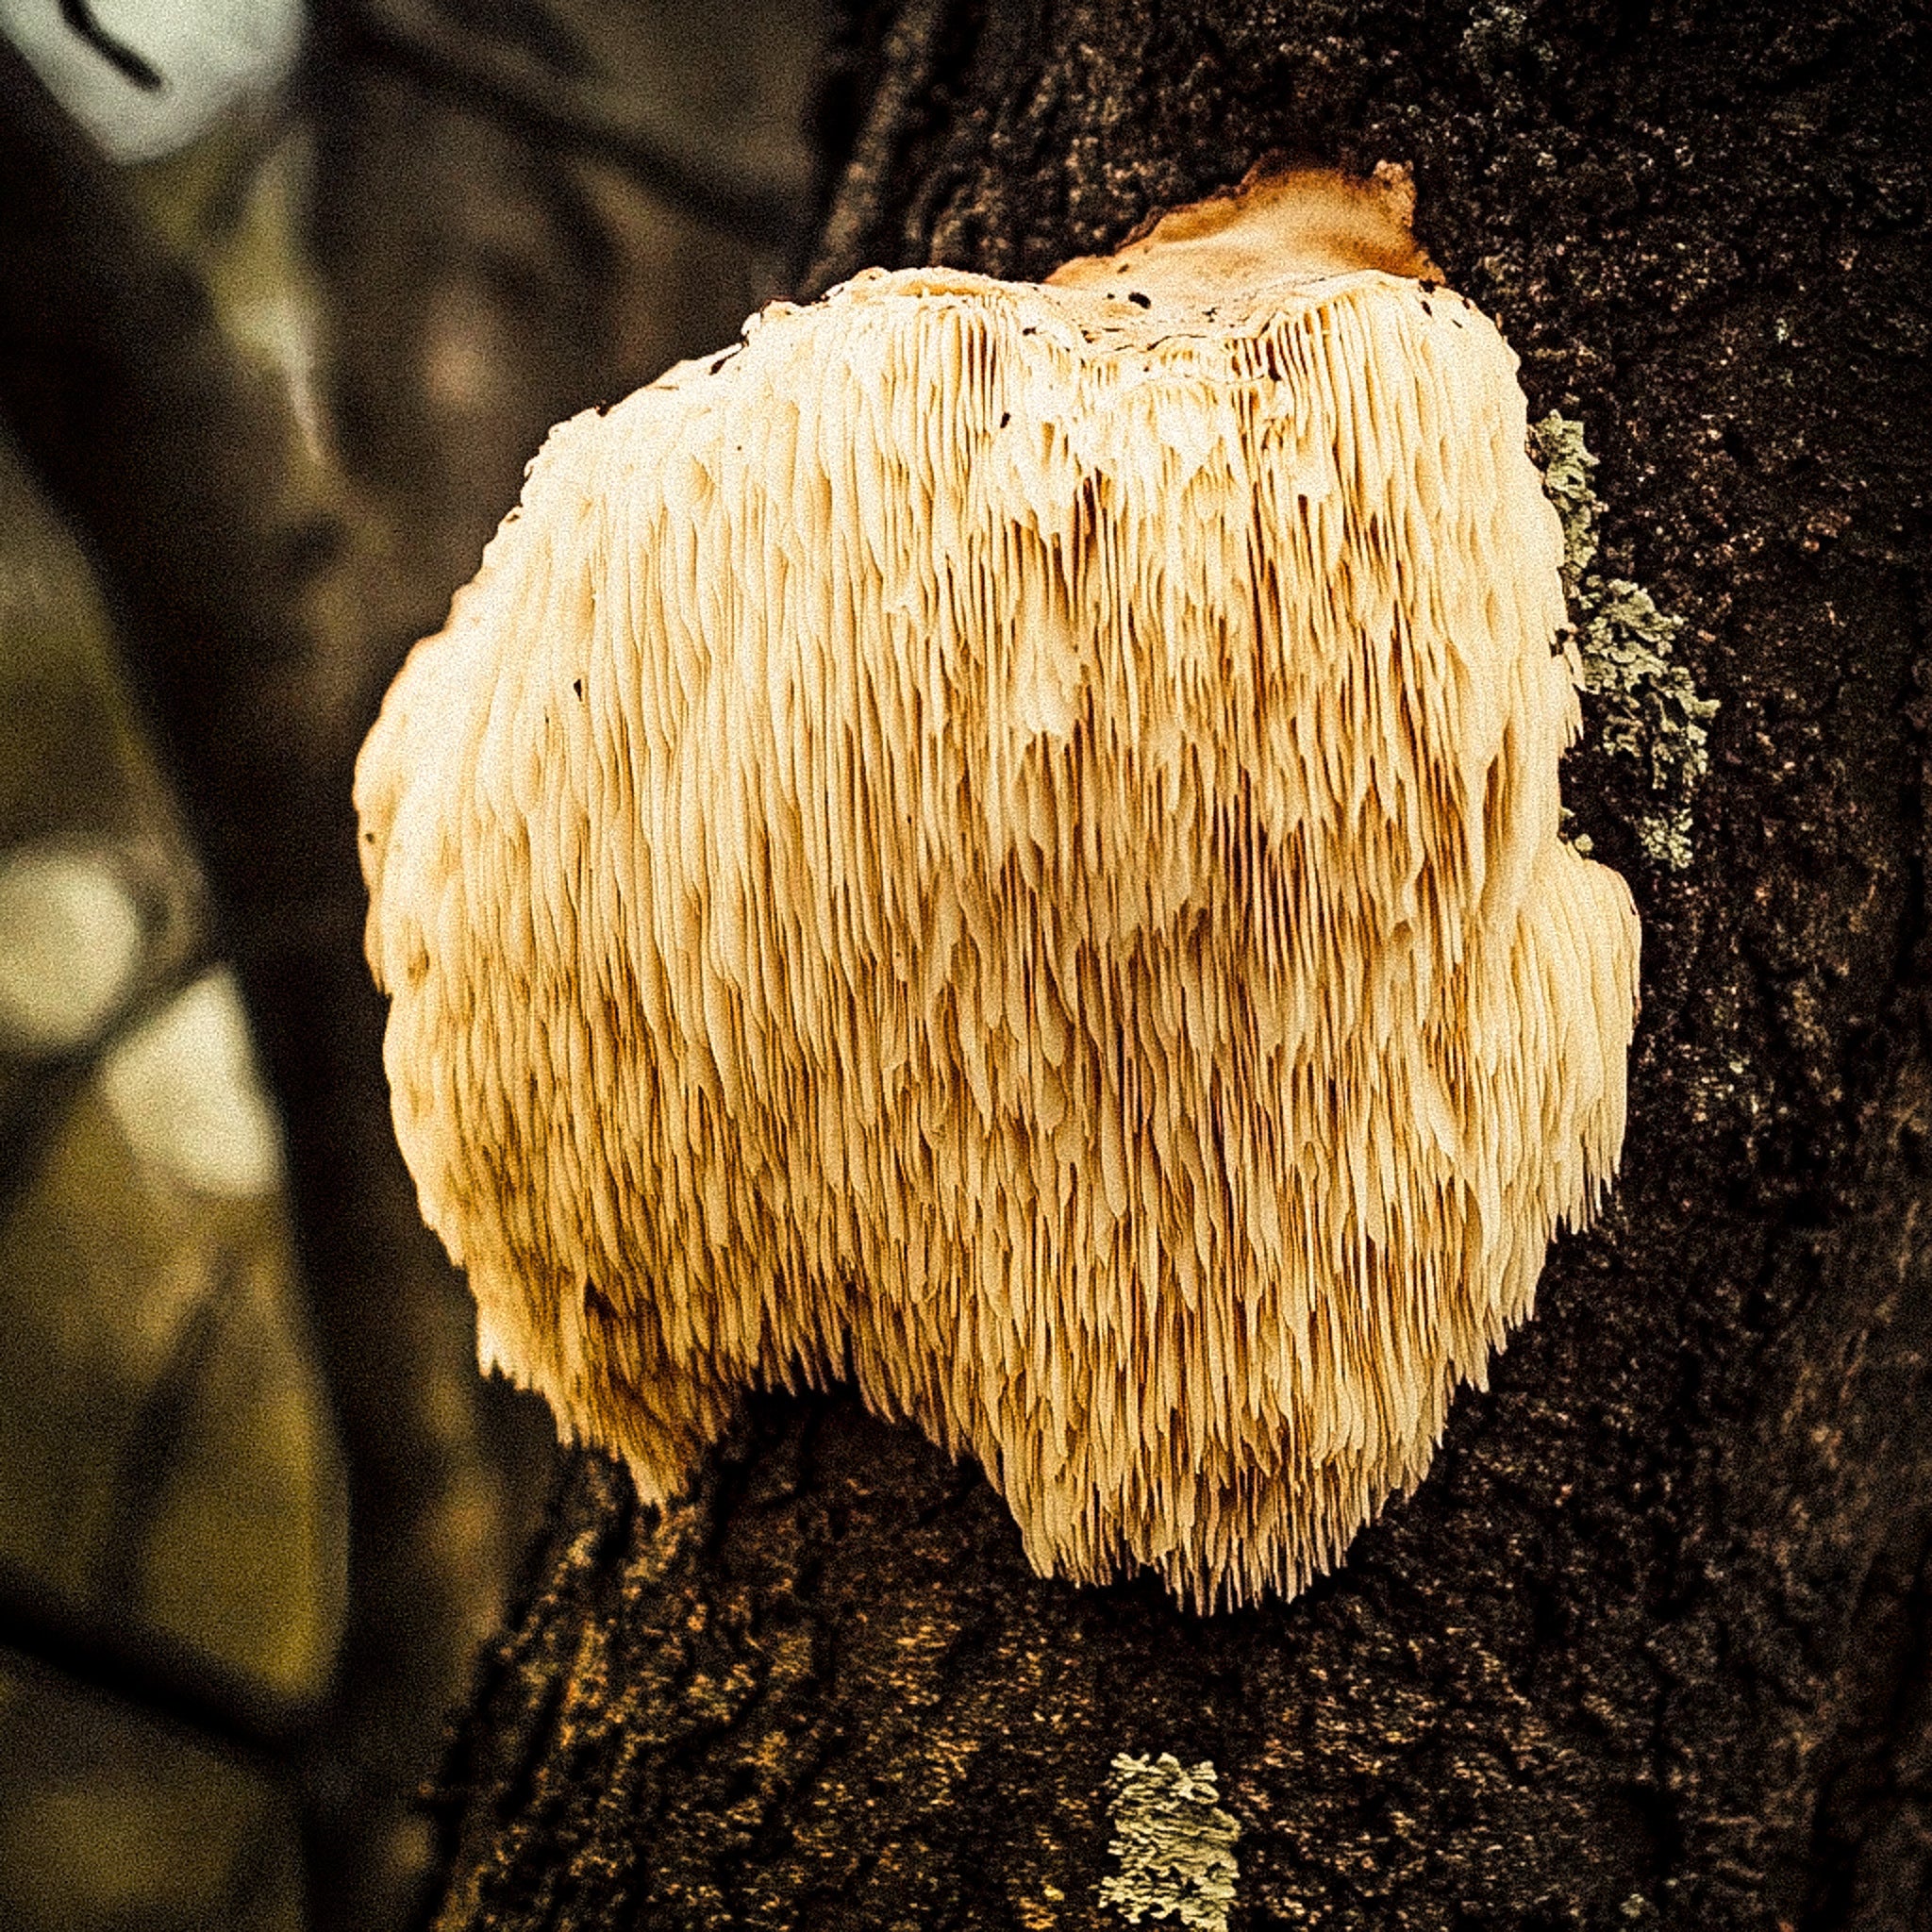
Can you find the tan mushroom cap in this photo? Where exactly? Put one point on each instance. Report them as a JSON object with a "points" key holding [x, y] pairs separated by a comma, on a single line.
{"points": [[1001, 842]]}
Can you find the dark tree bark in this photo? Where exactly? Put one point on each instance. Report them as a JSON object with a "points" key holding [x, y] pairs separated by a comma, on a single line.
{"points": [[1650, 1645]]}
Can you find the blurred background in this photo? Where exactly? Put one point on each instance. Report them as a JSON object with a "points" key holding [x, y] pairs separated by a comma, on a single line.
{"points": [[288, 298]]}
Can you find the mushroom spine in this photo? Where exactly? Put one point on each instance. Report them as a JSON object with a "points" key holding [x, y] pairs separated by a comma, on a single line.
{"points": [[1002, 841]]}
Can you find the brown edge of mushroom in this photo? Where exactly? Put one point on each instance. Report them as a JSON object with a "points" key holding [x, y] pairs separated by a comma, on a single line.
{"points": [[1277, 224]]}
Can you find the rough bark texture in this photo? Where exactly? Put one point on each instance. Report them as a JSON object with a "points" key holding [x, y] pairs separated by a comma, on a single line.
{"points": [[1649, 1645]]}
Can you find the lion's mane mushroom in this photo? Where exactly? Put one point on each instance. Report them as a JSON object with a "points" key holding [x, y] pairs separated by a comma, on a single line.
{"points": [[1001, 842]]}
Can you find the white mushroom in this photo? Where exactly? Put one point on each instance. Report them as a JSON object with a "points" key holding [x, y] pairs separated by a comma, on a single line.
{"points": [[1001, 842]]}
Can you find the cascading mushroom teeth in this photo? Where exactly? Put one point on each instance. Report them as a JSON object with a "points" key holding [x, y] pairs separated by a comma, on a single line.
{"points": [[1002, 841]]}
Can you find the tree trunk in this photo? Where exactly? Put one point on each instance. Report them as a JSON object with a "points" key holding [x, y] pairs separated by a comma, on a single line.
{"points": [[1649, 1645]]}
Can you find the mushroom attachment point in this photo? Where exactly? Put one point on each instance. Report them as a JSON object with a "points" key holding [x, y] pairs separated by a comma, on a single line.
{"points": [[1002, 843]]}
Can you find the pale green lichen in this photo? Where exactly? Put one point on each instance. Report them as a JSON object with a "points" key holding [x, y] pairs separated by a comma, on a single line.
{"points": [[1173, 1841], [1650, 712]]}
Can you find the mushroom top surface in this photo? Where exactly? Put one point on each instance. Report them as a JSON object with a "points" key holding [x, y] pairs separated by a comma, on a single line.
{"points": [[1004, 843]]}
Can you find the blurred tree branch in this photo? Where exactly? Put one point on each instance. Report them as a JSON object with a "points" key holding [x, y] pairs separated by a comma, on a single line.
{"points": [[575, 103], [80, 17], [252, 604]]}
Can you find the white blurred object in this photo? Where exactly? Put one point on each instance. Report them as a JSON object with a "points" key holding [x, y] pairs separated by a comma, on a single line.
{"points": [[70, 942], [207, 55], [184, 1088]]}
